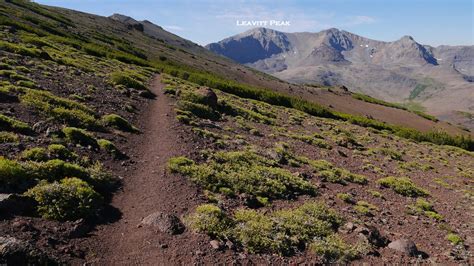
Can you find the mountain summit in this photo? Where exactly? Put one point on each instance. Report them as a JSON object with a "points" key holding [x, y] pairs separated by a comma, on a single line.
{"points": [[400, 71]]}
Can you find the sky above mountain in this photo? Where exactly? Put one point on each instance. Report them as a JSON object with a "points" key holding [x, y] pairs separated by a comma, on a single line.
{"points": [[432, 22]]}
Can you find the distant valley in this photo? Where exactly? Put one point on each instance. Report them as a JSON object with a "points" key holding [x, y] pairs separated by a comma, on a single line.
{"points": [[438, 80]]}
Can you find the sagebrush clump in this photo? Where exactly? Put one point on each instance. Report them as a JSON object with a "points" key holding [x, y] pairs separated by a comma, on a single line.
{"points": [[243, 172], [284, 231], [68, 199], [118, 122], [79, 136], [403, 186]]}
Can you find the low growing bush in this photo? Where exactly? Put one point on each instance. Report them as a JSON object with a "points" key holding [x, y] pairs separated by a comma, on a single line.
{"points": [[403, 186], [65, 110], [10, 124], [12, 175], [243, 172], [211, 220], [69, 199], [37, 154], [79, 136], [8, 137], [118, 122], [120, 78]]}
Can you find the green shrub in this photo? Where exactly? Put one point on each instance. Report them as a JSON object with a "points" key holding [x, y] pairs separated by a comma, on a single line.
{"points": [[12, 174], [403, 186], [211, 220], [58, 151], [369, 99], [199, 110], [121, 78], [118, 122], [109, 147], [237, 111], [11, 124], [55, 169], [101, 179], [79, 136], [333, 249], [375, 194], [21, 50], [329, 173], [8, 137], [256, 232], [424, 207], [365, 208], [313, 140], [62, 109], [26, 83], [37, 154], [454, 239], [394, 155], [69, 199], [243, 172], [346, 197], [95, 50], [286, 230]]}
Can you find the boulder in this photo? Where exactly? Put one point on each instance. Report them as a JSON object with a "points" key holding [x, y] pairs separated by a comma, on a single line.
{"points": [[163, 222], [406, 246], [208, 95]]}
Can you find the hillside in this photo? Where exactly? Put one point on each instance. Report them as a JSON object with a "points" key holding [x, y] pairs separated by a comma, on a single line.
{"points": [[435, 79], [121, 143]]}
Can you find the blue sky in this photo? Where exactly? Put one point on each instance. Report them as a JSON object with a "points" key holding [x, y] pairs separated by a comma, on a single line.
{"points": [[432, 22]]}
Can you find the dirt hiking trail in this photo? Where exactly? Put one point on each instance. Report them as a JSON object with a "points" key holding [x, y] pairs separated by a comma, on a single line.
{"points": [[148, 188]]}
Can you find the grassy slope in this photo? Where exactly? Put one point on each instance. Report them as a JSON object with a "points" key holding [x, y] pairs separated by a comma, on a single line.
{"points": [[354, 163]]}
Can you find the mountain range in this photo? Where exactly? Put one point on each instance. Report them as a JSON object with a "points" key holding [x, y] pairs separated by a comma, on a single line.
{"points": [[438, 80]]}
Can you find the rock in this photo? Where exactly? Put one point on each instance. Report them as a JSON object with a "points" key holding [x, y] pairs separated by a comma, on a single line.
{"points": [[199, 253], [459, 252], [22, 225], [343, 88], [350, 226], [215, 244], [341, 153], [404, 245], [208, 95], [347, 228], [146, 94], [372, 236], [229, 244], [17, 252], [166, 223], [79, 229], [163, 246], [4, 197]]}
